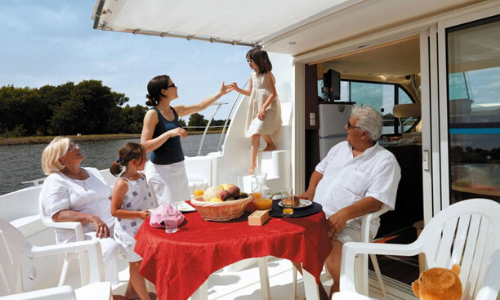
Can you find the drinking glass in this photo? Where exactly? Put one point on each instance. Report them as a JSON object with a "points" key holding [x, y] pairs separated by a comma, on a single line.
{"points": [[265, 202], [287, 201], [171, 218], [198, 189]]}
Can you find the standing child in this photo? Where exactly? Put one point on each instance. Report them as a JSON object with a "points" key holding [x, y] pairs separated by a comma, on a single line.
{"points": [[129, 204], [264, 111]]}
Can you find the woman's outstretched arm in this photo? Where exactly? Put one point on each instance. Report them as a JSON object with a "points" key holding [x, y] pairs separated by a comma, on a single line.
{"points": [[186, 110]]}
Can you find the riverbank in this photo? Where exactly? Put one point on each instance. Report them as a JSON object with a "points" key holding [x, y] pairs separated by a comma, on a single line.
{"points": [[31, 140]]}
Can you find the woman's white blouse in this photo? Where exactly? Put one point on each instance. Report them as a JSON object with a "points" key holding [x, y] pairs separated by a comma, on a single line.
{"points": [[89, 196]]}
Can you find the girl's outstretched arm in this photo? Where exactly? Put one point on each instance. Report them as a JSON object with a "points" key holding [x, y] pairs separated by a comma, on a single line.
{"points": [[119, 191], [235, 86], [186, 110]]}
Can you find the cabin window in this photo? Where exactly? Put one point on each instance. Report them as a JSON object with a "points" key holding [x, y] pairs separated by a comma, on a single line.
{"points": [[382, 97], [473, 67]]}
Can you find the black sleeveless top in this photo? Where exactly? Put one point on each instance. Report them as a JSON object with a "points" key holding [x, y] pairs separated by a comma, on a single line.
{"points": [[171, 151]]}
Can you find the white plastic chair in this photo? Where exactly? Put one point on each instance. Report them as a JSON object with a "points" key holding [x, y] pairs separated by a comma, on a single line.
{"points": [[81, 256], [466, 233], [362, 263], [17, 268]]}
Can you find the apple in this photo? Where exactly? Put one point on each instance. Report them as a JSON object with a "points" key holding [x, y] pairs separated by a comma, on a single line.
{"points": [[224, 195], [234, 191]]}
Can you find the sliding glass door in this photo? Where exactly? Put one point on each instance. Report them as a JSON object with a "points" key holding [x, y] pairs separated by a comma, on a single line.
{"points": [[470, 109]]}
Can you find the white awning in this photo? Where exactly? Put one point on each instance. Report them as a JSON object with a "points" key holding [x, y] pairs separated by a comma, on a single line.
{"points": [[227, 21]]}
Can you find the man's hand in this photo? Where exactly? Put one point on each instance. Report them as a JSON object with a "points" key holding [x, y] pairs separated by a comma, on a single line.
{"points": [[337, 222], [307, 195]]}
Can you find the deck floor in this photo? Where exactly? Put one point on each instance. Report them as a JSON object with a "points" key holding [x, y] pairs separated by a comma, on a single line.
{"points": [[229, 284]]}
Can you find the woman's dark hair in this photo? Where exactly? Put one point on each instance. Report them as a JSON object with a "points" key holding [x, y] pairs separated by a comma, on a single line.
{"points": [[126, 153], [261, 59], [155, 86]]}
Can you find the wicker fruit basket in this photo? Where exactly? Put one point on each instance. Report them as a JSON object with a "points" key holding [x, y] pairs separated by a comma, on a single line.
{"points": [[220, 211]]}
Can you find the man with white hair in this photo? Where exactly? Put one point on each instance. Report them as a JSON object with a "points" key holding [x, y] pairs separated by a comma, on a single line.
{"points": [[356, 177]]}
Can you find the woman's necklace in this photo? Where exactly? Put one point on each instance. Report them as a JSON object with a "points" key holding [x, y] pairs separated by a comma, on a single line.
{"points": [[80, 173], [84, 187]]}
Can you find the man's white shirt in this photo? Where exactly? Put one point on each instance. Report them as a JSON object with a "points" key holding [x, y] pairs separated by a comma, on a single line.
{"points": [[347, 179]]}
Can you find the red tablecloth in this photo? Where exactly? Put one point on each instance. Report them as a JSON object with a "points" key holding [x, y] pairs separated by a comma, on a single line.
{"points": [[179, 263]]}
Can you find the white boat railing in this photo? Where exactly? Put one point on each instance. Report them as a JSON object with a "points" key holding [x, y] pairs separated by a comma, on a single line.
{"points": [[219, 104], [219, 147]]}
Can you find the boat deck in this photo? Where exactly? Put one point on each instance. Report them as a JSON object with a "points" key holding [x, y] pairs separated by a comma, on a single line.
{"points": [[227, 284]]}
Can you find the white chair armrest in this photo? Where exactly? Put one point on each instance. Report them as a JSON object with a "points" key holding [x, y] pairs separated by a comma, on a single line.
{"points": [[47, 221], [92, 247], [366, 220], [351, 249], [76, 226], [62, 292]]}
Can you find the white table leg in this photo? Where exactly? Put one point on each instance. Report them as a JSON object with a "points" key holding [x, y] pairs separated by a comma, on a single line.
{"points": [[312, 292], [264, 278], [201, 293]]}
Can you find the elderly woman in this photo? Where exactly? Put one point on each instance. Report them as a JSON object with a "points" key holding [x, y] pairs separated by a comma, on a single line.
{"points": [[356, 177], [75, 194]]}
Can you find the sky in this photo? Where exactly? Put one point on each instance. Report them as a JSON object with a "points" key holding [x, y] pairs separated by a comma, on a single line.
{"points": [[52, 42]]}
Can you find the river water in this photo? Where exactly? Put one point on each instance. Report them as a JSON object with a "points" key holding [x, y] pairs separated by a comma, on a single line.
{"points": [[20, 163]]}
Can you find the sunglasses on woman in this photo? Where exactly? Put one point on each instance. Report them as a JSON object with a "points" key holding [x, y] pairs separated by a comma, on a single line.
{"points": [[73, 147]]}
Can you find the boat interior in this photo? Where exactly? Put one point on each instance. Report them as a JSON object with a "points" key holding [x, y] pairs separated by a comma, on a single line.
{"points": [[431, 68]]}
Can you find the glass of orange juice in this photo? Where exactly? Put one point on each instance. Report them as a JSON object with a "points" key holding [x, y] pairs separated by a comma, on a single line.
{"points": [[287, 202], [265, 201], [198, 189]]}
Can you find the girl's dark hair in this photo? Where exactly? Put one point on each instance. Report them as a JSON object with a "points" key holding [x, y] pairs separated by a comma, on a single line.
{"points": [[261, 59], [126, 153], [155, 86]]}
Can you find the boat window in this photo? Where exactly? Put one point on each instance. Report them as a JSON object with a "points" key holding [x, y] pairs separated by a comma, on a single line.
{"points": [[474, 109], [404, 98], [382, 97]]}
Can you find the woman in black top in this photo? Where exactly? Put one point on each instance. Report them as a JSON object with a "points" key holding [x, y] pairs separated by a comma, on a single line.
{"points": [[161, 134]]}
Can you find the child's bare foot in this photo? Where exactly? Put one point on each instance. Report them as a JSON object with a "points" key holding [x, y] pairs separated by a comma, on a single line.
{"points": [[250, 171], [271, 147], [119, 297]]}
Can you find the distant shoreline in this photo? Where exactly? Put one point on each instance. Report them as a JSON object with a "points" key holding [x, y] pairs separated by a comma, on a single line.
{"points": [[91, 137]]}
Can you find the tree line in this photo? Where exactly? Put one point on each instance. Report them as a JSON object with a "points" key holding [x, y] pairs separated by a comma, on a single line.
{"points": [[88, 107]]}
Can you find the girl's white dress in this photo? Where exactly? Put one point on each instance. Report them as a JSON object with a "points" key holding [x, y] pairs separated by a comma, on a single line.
{"points": [[258, 96], [137, 198]]}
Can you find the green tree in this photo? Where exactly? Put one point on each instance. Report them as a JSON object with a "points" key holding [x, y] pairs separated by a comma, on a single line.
{"points": [[197, 119], [134, 117], [21, 111], [69, 118]]}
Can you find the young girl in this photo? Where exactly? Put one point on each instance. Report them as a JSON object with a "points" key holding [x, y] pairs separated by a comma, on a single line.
{"points": [[264, 111], [129, 204]]}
